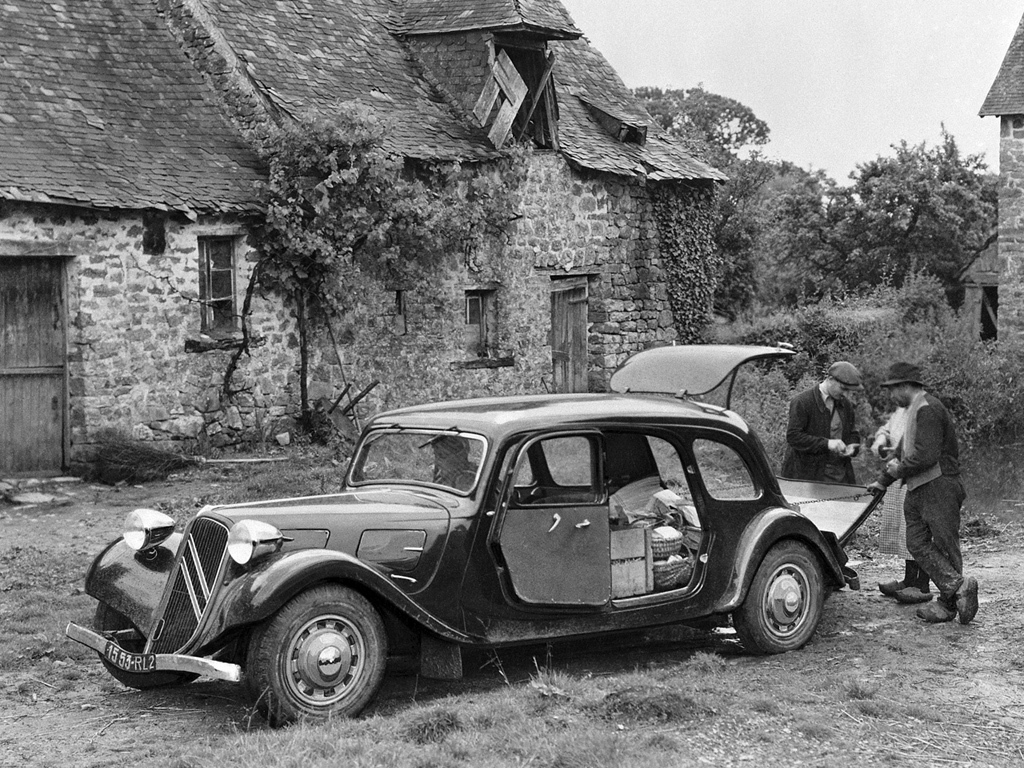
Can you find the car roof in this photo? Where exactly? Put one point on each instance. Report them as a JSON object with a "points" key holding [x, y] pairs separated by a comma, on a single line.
{"points": [[498, 417]]}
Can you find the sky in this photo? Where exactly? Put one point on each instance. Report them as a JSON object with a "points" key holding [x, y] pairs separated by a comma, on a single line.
{"points": [[837, 81]]}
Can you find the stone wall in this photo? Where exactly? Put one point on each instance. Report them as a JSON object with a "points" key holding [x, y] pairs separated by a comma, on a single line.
{"points": [[1011, 224], [131, 315]]}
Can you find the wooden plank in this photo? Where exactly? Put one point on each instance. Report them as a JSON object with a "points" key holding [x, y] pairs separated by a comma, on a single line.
{"points": [[32, 414], [540, 94], [502, 124], [509, 80], [485, 103]]}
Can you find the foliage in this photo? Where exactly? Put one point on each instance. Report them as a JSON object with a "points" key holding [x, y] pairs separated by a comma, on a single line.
{"points": [[685, 221], [718, 130], [982, 383], [926, 209], [343, 214], [722, 125]]}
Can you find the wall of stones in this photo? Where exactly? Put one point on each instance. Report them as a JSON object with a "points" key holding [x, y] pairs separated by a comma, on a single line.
{"points": [[457, 65], [1011, 224], [131, 315]]}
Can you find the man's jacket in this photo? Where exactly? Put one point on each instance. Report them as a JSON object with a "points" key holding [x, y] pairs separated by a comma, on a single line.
{"points": [[807, 436]]}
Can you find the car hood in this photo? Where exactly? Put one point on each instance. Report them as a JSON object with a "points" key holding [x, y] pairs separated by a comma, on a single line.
{"points": [[688, 370], [398, 530], [345, 514]]}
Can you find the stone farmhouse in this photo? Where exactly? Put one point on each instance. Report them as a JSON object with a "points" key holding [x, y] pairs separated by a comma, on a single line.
{"points": [[1005, 100], [129, 200]]}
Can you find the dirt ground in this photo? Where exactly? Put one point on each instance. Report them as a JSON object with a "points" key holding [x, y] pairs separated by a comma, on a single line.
{"points": [[59, 707]]}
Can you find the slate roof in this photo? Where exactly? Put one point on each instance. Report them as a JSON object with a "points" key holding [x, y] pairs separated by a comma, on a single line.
{"points": [[99, 106], [584, 76], [312, 54], [433, 16], [1006, 96]]}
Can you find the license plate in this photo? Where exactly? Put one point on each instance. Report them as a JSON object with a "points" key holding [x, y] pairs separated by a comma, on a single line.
{"points": [[129, 662]]}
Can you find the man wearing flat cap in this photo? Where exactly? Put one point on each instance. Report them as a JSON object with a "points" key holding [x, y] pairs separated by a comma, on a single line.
{"points": [[927, 460], [822, 435]]}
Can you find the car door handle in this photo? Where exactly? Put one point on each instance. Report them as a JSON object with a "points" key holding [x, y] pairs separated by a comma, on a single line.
{"points": [[557, 518], [584, 524]]}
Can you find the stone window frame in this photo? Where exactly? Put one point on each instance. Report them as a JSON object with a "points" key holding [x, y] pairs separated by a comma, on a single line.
{"points": [[398, 320], [481, 321], [480, 339], [214, 323]]}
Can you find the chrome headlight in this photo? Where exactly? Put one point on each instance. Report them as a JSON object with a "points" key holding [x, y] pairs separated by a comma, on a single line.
{"points": [[145, 528], [250, 539]]}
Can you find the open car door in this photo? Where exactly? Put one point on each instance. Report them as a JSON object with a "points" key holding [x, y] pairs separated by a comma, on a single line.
{"points": [[688, 370]]}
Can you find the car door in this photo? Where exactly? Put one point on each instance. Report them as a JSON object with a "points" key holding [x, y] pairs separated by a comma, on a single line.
{"points": [[554, 532]]}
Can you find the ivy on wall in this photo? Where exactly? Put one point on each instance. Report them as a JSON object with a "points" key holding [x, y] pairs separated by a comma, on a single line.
{"points": [[344, 215], [684, 216]]}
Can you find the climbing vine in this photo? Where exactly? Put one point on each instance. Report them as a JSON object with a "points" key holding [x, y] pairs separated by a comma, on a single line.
{"points": [[685, 220], [344, 214]]}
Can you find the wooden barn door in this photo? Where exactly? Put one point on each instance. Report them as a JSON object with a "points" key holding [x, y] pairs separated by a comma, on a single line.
{"points": [[569, 334], [33, 357]]}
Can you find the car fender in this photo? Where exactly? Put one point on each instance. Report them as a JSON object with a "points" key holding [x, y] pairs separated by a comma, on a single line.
{"points": [[130, 582], [763, 532], [258, 594]]}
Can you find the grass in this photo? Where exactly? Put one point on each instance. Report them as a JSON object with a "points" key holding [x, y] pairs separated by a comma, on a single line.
{"points": [[837, 703], [683, 714]]}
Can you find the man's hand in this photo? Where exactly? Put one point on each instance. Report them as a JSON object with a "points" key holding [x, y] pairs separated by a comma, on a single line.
{"points": [[837, 447], [876, 489]]}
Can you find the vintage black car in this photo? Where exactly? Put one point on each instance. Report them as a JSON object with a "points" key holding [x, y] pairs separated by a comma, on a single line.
{"points": [[484, 523]]}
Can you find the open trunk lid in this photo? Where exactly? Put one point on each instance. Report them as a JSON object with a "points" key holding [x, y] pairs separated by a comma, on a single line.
{"points": [[688, 370], [832, 507]]}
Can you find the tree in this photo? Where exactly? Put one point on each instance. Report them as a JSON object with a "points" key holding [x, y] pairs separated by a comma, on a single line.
{"points": [[718, 130], [926, 209], [342, 213], [724, 126]]}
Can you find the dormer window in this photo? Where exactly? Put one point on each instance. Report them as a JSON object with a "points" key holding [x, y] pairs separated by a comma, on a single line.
{"points": [[518, 100], [620, 127]]}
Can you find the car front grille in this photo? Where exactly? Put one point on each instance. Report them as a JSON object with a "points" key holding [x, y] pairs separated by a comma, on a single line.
{"points": [[201, 558]]}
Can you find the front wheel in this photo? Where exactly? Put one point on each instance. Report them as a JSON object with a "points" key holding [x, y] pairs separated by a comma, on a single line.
{"points": [[784, 603], [322, 655], [109, 620]]}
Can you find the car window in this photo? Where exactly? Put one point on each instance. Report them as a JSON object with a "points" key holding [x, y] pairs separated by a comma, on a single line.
{"points": [[446, 458], [558, 470], [670, 466], [724, 472], [656, 487]]}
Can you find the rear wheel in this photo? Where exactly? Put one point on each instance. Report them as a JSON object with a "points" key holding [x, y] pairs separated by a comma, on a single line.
{"points": [[109, 620], [322, 655], [784, 603]]}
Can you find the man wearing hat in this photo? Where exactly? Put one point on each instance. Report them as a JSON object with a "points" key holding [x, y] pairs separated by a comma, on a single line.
{"points": [[822, 434], [927, 460]]}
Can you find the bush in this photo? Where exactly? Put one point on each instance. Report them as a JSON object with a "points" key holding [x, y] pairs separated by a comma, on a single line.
{"points": [[982, 383]]}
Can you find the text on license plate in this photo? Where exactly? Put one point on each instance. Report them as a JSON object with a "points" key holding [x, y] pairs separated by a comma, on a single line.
{"points": [[129, 662]]}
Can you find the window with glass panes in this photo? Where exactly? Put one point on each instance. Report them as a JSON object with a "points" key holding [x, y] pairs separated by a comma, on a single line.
{"points": [[217, 284]]}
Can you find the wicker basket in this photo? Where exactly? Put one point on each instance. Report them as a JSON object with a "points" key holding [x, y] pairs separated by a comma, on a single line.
{"points": [[673, 572], [665, 541]]}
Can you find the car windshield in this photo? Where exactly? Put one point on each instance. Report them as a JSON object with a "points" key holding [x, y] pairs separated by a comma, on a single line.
{"points": [[449, 459]]}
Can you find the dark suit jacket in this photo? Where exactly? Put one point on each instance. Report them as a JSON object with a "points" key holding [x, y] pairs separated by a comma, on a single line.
{"points": [[807, 436]]}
